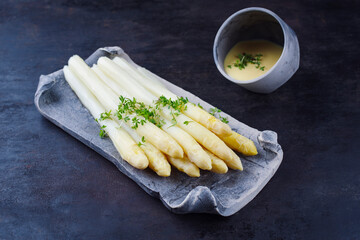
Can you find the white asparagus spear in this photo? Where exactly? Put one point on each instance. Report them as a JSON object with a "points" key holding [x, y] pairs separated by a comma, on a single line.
{"points": [[125, 145], [149, 81], [218, 165], [201, 134], [241, 144], [191, 148], [125, 80], [110, 82], [105, 95], [184, 165], [157, 160]]}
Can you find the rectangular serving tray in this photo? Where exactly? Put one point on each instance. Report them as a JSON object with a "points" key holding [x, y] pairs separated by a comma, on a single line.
{"points": [[223, 194]]}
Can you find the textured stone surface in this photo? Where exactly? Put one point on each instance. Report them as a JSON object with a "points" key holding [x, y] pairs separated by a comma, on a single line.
{"points": [[54, 187], [210, 193]]}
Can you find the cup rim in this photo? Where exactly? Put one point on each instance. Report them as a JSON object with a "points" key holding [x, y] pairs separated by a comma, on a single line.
{"points": [[226, 22]]}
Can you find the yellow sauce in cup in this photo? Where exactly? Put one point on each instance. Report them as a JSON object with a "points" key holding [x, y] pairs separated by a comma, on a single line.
{"points": [[270, 52]]}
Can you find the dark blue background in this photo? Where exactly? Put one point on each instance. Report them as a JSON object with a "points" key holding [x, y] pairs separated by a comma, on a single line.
{"points": [[54, 187]]}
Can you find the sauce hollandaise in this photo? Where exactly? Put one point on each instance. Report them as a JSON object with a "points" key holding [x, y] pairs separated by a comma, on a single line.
{"points": [[261, 56]]}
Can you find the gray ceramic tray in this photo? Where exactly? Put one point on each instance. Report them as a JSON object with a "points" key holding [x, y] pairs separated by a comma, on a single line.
{"points": [[223, 194]]}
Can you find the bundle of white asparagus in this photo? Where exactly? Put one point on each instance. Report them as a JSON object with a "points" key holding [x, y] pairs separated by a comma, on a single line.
{"points": [[149, 125]]}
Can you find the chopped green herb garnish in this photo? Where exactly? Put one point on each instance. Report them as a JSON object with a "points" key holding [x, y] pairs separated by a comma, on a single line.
{"points": [[224, 119], [135, 122], [142, 141], [187, 122], [140, 113], [173, 120], [119, 115], [244, 59], [176, 106], [143, 113], [102, 132], [105, 115], [215, 111]]}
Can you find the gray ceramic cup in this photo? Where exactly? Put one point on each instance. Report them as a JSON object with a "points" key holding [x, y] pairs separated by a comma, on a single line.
{"points": [[259, 23]]}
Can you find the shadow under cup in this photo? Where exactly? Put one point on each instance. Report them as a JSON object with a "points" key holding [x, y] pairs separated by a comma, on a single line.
{"points": [[259, 24]]}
